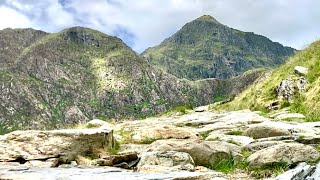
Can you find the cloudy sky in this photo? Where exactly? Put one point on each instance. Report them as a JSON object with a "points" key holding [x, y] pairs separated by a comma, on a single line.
{"points": [[145, 23]]}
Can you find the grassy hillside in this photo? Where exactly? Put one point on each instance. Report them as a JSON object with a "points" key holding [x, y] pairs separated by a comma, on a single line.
{"points": [[262, 93], [205, 48]]}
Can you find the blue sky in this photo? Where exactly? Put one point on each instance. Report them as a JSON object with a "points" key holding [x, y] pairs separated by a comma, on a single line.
{"points": [[145, 23]]}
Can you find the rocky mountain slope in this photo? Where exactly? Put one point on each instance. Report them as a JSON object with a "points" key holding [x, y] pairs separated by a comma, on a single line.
{"points": [[14, 41], [69, 77], [294, 86], [205, 48]]}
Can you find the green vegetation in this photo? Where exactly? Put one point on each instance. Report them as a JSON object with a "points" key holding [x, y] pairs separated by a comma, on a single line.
{"points": [[225, 165], [115, 148], [259, 95], [180, 110], [230, 164], [126, 136], [270, 170], [236, 133], [205, 134], [232, 142]]}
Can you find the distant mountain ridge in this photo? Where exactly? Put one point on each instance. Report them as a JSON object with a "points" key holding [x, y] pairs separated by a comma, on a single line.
{"points": [[54, 80], [205, 48]]}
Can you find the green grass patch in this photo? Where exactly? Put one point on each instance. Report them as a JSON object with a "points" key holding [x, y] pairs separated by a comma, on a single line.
{"points": [[235, 133], [270, 170], [205, 134], [225, 165], [233, 142], [115, 148]]}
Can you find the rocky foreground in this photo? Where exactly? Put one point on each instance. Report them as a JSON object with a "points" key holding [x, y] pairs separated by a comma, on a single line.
{"points": [[199, 145]]}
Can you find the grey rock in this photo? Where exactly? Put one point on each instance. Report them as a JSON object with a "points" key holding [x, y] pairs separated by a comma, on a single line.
{"points": [[65, 144], [301, 70], [286, 89], [302, 84], [167, 161], [290, 153], [112, 160], [302, 171], [264, 131], [97, 173], [316, 174], [257, 146], [309, 140], [283, 116], [239, 140]]}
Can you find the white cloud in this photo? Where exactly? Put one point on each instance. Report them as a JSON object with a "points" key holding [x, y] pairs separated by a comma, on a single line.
{"points": [[13, 19], [146, 23]]}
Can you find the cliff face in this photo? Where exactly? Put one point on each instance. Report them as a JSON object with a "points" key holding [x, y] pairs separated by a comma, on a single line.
{"points": [[205, 48], [79, 74]]}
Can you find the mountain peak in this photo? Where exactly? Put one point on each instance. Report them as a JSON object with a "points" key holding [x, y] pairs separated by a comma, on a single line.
{"points": [[207, 18]]}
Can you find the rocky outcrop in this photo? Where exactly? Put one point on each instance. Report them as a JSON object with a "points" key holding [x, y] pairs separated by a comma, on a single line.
{"points": [[57, 146], [165, 161], [264, 131], [289, 153]]}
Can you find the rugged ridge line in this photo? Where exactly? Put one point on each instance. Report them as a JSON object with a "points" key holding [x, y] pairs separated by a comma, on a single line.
{"points": [[205, 48]]}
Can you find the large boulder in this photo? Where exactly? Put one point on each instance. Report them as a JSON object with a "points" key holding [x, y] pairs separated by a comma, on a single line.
{"points": [[264, 131], [290, 153], [204, 153], [165, 161], [31, 145]]}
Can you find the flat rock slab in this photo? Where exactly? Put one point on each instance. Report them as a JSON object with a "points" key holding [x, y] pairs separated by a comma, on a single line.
{"points": [[7, 172], [204, 153], [41, 145]]}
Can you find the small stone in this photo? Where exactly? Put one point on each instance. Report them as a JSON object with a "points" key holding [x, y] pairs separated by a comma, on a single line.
{"points": [[112, 160], [301, 70]]}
